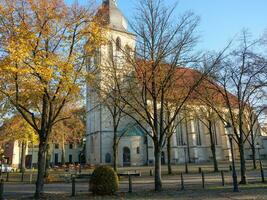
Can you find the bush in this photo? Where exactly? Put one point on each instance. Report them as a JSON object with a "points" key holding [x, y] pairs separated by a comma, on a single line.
{"points": [[104, 181]]}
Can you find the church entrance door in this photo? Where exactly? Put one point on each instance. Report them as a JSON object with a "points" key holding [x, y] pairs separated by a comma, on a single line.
{"points": [[126, 157]]}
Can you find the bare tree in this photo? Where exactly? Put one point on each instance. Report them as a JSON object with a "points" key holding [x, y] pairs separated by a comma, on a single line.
{"points": [[208, 117], [242, 75], [164, 45], [107, 86], [252, 120]]}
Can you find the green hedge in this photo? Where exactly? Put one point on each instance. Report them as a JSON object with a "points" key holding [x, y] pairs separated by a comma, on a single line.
{"points": [[104, 181]]}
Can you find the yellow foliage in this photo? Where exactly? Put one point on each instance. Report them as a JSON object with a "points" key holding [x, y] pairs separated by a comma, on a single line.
{"points": [[45, 45]]}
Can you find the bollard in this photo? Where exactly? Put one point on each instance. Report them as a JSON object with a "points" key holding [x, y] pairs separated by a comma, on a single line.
{"points": [[203, 180], [130, 184], [2, 189], [262, 176], [222, 174], [230, 168], [199, 170], [22, 176], [182, 182], [80, 169], [7, 176], [73, 186], [151, 172]]}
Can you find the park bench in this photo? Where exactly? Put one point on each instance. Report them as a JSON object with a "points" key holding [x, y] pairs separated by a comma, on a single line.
{"points": [[129, 175], [75, 177]]}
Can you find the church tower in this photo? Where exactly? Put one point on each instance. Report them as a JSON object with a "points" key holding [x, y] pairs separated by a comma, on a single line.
{"points": [[99, 126]]}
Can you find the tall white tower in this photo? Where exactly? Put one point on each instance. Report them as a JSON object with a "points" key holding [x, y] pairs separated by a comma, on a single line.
{"points": [[99, 126]]}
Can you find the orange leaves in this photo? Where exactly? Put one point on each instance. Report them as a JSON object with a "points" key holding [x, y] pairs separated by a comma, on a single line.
{"points": [[48, 9], [17, 128]]}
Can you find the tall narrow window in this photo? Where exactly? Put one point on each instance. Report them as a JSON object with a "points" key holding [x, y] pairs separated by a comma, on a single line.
{"points": [[97, 59], [108, 158], [70, 158], [70, 146], [118, 44], [180, 138], [214, 132], [198, 132]]}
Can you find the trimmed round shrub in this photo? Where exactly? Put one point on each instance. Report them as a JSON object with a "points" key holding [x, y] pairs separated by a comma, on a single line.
{"points": [[104, 181]]}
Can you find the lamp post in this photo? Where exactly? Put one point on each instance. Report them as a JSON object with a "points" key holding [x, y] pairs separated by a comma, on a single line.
{"points": [[258, 147], [185, 160], [229, 132]]}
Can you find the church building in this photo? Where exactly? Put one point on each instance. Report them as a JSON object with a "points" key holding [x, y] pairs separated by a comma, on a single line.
{"points": [[190, 143]]}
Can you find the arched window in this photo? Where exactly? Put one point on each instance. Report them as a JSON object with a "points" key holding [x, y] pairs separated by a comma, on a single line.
{"points": [[126, 156], [118, 44], [108, 158], [110, 51], [92, 144]]}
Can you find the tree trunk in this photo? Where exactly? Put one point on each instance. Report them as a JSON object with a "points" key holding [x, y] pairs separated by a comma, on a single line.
{"points": [[254, 157], [41, 170], [213, 149], [253, 150], [47, 160], [23, 154], [169, 155], [63, 159], [187, 140], [157, 176], [115, 153], [242, 163], [115, 140]]}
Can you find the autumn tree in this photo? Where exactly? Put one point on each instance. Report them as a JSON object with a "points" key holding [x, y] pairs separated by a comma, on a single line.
{"points": [[43, 52], [71, 129], [17, 129]]}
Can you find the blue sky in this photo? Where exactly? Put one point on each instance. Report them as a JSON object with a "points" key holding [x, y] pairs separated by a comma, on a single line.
{"points": [[220, 21]]}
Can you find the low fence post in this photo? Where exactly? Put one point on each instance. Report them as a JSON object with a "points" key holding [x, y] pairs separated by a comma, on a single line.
{"points": [[182, 181], [222, 174], [151, 172], [73, 186], [130, 184], [31, 177], [2, 189], [22, 176], [203, 180]]}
